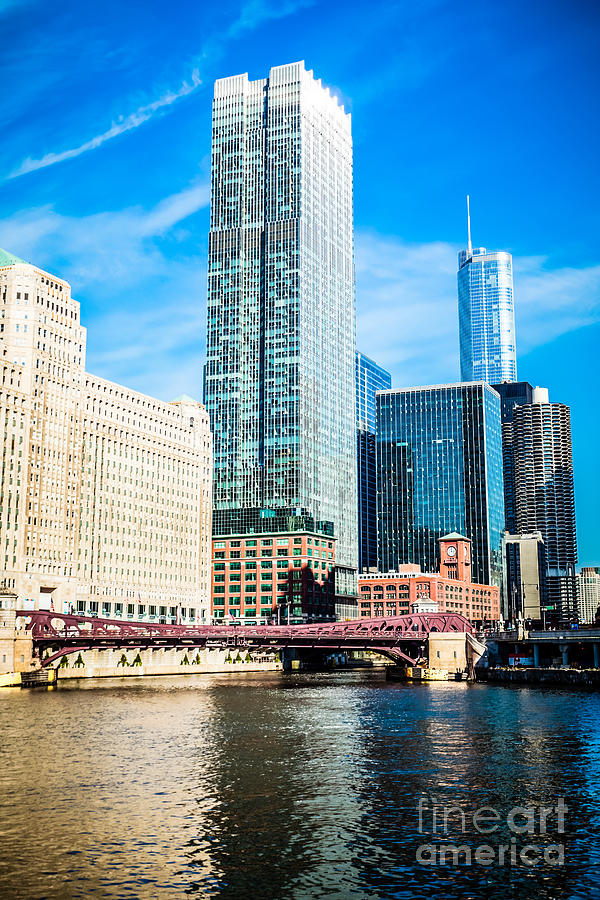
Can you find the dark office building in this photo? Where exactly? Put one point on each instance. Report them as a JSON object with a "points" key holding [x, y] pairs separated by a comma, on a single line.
{"points": [[512, 393], [439, 469], [369, 378]]}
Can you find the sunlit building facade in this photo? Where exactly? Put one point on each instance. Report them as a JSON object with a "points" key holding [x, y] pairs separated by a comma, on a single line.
{"points": [[439, 469], [525, 591], [106, 493], [282, 570], [279, 378], [588, 594], [449, 590]]}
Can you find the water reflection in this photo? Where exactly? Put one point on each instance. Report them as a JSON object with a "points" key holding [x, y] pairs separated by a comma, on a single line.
{"points": [[284, 786]]}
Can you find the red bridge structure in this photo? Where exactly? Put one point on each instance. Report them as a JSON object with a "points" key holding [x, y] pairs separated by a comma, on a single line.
{"points": [[55, 635]]}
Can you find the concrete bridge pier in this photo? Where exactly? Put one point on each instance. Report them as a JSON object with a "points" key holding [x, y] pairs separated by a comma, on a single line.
{"points": [[16, 648], [536, 655], [564, 649], [290, 659], [597, 656], [447, 651]]}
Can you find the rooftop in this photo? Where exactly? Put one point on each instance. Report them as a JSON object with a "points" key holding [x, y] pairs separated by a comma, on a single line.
{"points": [[184, 398], [454, 536], [9, 259]]}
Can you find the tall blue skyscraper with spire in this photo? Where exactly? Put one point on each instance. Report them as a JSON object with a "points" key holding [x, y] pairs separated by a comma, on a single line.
{"points": [[486, 314]]}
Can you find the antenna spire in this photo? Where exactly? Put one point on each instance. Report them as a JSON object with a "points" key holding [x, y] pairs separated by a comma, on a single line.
{"points": [[469, 247]]}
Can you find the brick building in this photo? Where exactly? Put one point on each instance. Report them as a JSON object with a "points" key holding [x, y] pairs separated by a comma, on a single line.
{"points": [[282, 570], [450, 590]]}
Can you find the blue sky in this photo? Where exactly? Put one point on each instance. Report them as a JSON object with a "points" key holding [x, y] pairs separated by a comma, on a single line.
{"points": [[105, 156]]}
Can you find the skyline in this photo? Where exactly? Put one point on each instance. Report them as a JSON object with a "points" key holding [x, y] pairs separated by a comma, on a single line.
{"points": [[134, 248]]}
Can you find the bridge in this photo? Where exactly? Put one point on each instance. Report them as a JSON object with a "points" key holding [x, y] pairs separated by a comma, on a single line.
{"points": [[55, 635]]}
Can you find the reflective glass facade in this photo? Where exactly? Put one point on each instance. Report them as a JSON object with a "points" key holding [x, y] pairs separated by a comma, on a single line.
{"points": [[512, 394], [439, 469], [279, 377], [369, 378], [486, 316]]}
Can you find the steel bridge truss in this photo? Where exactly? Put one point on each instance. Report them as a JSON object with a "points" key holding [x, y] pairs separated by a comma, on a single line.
{"points": [[56, 634]]}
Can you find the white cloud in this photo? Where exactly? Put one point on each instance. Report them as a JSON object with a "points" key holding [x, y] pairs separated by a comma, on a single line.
{"points": [[252, 14], [143, 295], [407, 317], [124, 123], [550, 302], [117, 246], [158, 350], [175, 208], [144, 305]]}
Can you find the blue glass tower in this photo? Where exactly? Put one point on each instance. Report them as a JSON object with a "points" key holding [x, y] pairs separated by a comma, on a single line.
{"points": [[439, 469], [369, 378], [486, 314]]}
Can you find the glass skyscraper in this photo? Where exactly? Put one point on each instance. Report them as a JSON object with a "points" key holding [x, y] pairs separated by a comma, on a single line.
{"points": [[486, 315], [279, 376], [439, 469], [369, 378]]}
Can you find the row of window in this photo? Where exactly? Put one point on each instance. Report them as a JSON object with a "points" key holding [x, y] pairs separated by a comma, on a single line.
{"points": [[171, 614]]}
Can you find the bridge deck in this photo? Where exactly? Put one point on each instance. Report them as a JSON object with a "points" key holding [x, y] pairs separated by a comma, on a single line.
{"points": [[60, 633]]}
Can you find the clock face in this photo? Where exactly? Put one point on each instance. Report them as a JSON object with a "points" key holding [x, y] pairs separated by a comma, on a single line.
{"points": [[451, 551]]}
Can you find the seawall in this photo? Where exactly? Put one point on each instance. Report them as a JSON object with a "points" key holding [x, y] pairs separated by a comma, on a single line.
{"points": [[182, 661], [564, 677]]}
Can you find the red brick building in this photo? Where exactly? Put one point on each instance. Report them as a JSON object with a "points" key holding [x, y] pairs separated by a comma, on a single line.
{"points": [[278, 576], [450, 590]]}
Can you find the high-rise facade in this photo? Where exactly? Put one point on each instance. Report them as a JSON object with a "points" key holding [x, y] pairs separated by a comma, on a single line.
{"points": [[279, 378], [105, 493], [369, 378], [515, 393], [525, 577], [439, 470], [588, 594], [545, 496], [486, 315]]}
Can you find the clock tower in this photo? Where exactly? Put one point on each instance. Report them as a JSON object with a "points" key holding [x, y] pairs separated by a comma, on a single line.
{"points": [[455, 557]]}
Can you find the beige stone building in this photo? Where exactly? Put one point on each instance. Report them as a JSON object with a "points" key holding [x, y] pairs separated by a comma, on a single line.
{"points": [[105, 494], [588, 593]]}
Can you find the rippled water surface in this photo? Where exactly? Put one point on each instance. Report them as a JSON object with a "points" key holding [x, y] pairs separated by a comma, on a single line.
{"points": [[290, 786]]}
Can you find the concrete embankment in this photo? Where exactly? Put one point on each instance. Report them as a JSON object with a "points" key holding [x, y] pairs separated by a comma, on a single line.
{"points": [[112, 663], [564, 677]]}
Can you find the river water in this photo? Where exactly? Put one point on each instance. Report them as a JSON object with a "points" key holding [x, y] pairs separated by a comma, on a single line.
{"points": [[298, 786]]}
